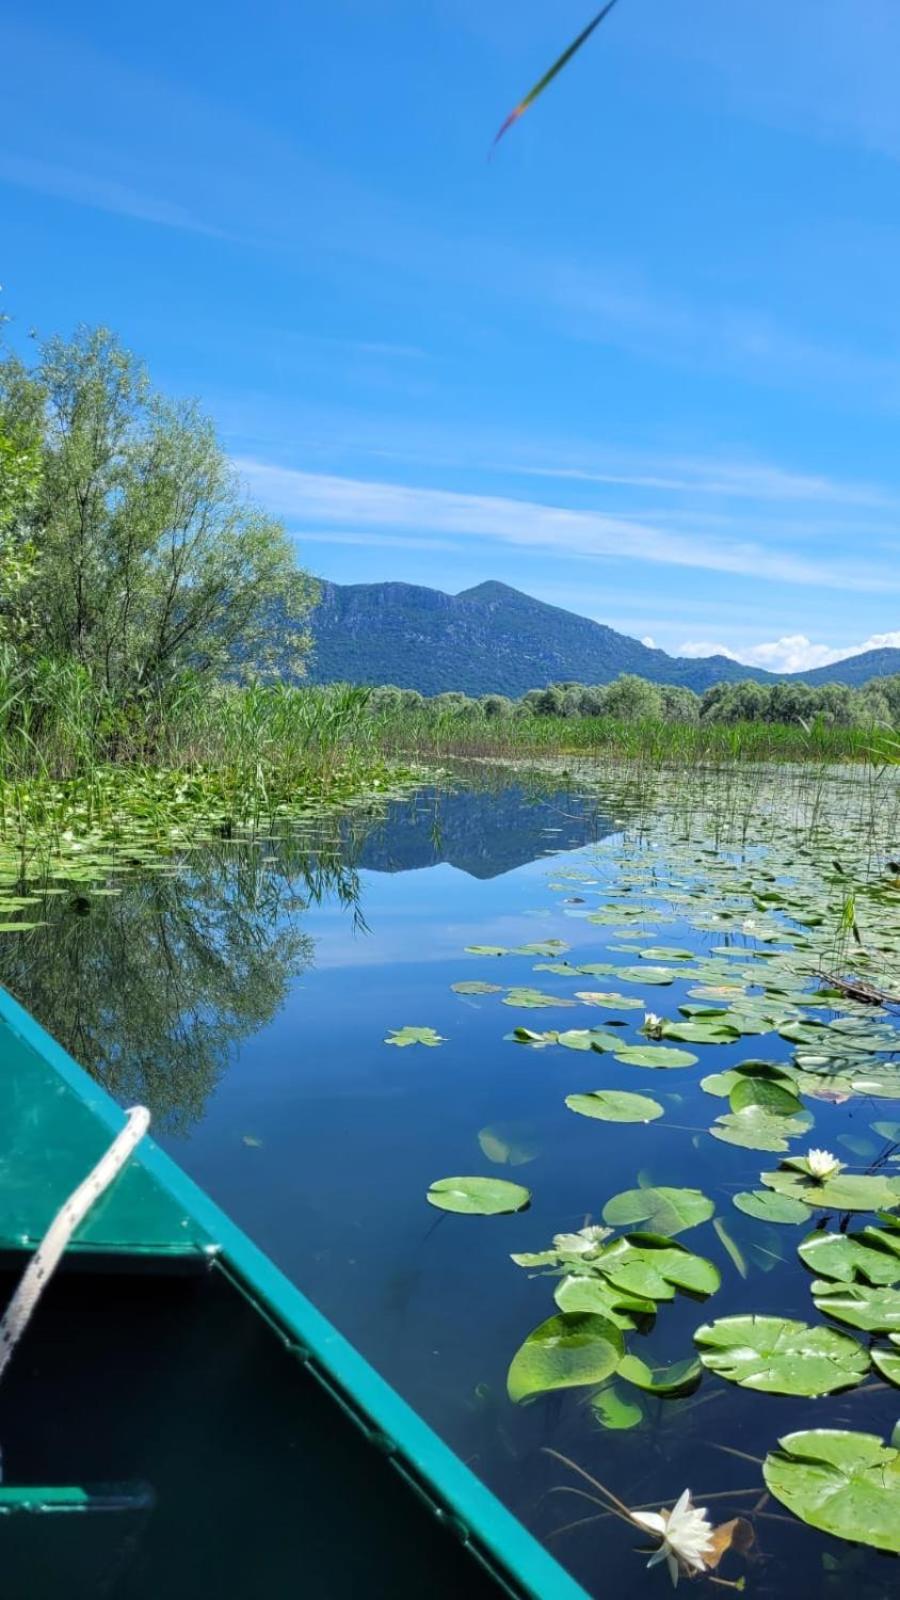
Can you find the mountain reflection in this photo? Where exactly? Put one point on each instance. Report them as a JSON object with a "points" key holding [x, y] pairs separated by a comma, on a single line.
{"points": [[484, 832]]}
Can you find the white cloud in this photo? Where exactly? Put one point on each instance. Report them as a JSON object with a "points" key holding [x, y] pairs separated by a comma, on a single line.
{"points": [[649, 641], [792, 653], [319, 498], [729, 479]]}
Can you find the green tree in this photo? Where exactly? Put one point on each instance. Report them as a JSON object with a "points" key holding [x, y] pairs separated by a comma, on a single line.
{"points": [[679, 704], [152, 560], [633, 699]]}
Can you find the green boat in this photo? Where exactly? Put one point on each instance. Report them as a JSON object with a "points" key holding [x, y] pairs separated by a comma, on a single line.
{"points": [[179, 1420]]}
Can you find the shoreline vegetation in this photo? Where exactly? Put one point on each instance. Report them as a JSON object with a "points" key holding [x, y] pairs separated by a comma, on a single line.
{"points": [[154, 638], [631, 720]]}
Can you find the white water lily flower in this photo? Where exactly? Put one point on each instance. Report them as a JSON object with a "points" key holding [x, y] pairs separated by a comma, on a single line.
{"points": [[653, 1024], [822, 1164], [685, 1533], [580, 1243]]}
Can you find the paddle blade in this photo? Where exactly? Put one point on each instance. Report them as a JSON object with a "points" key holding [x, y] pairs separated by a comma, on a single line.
{"points": [[557, 66]]}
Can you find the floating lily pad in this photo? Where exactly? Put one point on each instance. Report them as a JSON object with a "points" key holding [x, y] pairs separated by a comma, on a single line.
{"points": [[476, 987], [650, 975], [846, 1192], [845, 1484], [478, 1197], [610, 1000], [667, 1211], [654, 1266], [406, 1036], [598, 1295], [615, 1105], [538, 1040], [779, 1356], [533, 998], [653, 1055], [870, 1257], [567, 1351], [771, 1095], [710, 1032], [888, 1361], [860, 1305], [755, 1129], [769, 1206], [487, 950], [665, 952]]}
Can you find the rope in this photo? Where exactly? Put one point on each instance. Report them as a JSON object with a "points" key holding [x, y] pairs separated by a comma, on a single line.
{"points": [[71, 1214]]}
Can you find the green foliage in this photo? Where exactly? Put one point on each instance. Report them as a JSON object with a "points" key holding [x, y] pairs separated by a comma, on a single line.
{"points": [[664, 1210], [567, 1351], [779, 1356], [478, 1197], [151, 562], [615, 1105], [846, 1484]]}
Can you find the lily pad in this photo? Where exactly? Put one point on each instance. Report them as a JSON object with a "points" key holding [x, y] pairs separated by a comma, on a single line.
{"points": [[654, 1266], [846, 1192], [654, 1055], [651, 975], [755, 1129], [779, 1356], [615, 1410], [406, 1036], [666, 952], [682, 1377], [869, 1257], [860, 1305], [664, 1210], [609, 1000], [768, 1206], [533, 998], [888, 1360], [567, 1351], [598, 1295], [615, 1105], [845, 1484], [478, 1197], [476, 987], [710, 1032], [487, 950]]}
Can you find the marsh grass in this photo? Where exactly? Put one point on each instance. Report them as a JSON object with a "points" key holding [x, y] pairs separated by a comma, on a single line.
{"points": [[440, 733], [76, 766]]}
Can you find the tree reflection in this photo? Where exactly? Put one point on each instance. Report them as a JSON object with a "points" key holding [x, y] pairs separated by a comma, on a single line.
{"points": [[153, 989]]}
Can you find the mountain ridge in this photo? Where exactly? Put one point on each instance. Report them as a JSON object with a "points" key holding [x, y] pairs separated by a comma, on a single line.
{"points": [[493, 638]]}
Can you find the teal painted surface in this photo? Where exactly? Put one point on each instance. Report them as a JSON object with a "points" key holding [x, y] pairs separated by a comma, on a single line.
{"points": [[53, 1133], [172, 1202]]}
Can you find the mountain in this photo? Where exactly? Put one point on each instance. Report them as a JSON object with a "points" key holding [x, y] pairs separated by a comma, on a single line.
{"points": [[494, 639]]}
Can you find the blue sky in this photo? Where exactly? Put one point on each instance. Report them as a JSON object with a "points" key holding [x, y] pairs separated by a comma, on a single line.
{"points": [[644, 363]]}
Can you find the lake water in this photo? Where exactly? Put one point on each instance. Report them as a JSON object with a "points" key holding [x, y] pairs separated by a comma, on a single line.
{"points": [[246, 995]]}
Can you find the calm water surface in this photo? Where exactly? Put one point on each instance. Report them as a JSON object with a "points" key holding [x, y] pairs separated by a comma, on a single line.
{"points": [[247, 1000]]}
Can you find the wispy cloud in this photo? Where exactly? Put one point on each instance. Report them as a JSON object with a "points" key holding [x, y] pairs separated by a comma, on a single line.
{"points": [[317, 499], [792, 653], [385, 541], [101, 192], [731, 479]]}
